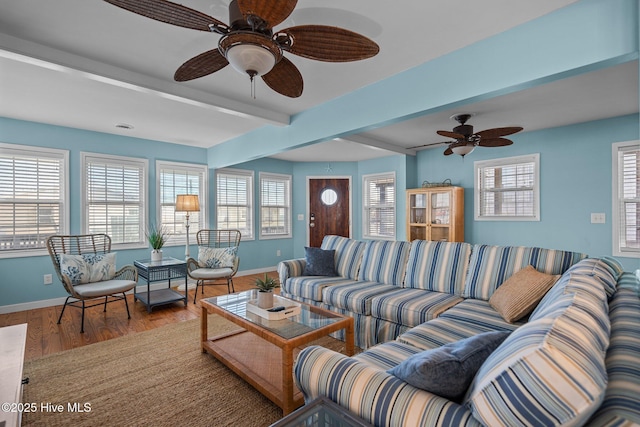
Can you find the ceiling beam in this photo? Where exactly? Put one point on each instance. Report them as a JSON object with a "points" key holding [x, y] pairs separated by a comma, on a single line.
{"points": [[372, 142]]}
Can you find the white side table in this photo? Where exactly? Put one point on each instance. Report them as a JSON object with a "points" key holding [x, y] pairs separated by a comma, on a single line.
{"points": [[13, 340]]}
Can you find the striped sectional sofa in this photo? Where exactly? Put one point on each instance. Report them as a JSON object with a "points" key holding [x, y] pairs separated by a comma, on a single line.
{"points": [[574, 361]]}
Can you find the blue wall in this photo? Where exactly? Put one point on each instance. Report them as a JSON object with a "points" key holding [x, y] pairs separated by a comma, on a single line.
{"points": [[575, 180]]}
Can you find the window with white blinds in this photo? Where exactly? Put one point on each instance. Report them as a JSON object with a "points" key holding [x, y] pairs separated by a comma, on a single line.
{"points": [[275, 206], [114, 196], [180, 178], [234, 201], [626, 199], [508, 189], [379, 206], [33, 198]]}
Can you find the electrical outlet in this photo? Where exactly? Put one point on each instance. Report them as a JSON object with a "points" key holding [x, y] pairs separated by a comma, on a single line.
{"points": [[48, 279]]}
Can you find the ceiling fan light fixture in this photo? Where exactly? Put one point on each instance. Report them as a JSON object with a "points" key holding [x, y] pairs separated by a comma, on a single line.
{"points": [[462, 149], [250, 53]]}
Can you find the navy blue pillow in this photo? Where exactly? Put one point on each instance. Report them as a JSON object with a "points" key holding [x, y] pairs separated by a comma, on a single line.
{"points": [[320, 262], [448, 370]]}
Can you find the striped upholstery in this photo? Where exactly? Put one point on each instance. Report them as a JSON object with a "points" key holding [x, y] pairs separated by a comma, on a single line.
{"points": [[387, 355], [621, 406], [384, 262], [629, 281], [290, 268], [348, 254], [604, 271], [553, 364], [490, 266], [445, 330], [374, 395], [388, 331], [310, 287], [411, 307], [364, 327], [354, 295], [437, 266]]}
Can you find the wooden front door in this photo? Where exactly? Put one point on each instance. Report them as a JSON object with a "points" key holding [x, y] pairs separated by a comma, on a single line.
{"points": [[329, 206]]}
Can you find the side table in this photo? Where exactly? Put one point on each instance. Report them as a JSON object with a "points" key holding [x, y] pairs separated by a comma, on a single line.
{"points": [[321, 412], [156, 271]]}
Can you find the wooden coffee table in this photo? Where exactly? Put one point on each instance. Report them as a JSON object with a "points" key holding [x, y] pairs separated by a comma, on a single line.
{"points": [[263, 351]]}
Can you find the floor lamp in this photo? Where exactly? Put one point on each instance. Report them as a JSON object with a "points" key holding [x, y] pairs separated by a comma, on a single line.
{"points": [[187, 203]]}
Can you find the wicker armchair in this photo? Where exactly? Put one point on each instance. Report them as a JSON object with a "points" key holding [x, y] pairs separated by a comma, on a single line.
{"points": [[124, 279], [213, 275]]}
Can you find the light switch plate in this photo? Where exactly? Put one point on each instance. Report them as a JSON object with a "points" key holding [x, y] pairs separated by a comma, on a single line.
{"points": [[597, 218]]}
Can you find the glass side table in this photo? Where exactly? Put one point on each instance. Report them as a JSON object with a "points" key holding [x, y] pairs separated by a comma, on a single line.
{"points": [[157, 271], [321, 412]]}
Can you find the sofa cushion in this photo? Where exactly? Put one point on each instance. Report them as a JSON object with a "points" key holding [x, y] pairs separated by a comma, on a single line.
{"points": [[384, 262], [354, 296], [437, 266], [448, 370], [311, 287], [319, 262], [88, 268], [348, 254], [387, 355], [411, 307], [520, 293], [466, 319], [552, 364], [605, 271], [491, 265]]}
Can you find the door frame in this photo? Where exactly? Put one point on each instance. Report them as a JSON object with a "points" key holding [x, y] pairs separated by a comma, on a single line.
{"points": [[308, 201]]}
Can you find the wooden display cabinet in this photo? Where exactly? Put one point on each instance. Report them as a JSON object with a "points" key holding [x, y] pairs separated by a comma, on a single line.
{"points": [[435, 213]]}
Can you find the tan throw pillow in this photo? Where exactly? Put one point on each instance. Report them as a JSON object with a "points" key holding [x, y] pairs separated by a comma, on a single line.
{"points": [[519, 294]]}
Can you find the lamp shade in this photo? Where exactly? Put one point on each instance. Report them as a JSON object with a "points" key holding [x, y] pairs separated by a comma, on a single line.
{"points": [[187, 203], [251, 59], [463, 149]]}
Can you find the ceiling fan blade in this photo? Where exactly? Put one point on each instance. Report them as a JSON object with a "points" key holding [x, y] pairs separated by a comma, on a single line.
{"points": [[201, 65], [285, 78], [273, 12], [498, 132], [169, 12], [326, 43], [448, 134], [448, 151], [495, 142]]}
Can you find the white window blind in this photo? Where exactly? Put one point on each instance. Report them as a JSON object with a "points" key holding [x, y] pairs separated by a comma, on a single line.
{"points": [[234, 201], [379, 202], [508, 189], [180, 178], [275, 205], [33, 197], [114, 197], [626, 203]]}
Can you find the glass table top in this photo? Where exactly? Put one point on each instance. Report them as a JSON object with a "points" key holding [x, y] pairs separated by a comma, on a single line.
{"points": [[307, 321]]}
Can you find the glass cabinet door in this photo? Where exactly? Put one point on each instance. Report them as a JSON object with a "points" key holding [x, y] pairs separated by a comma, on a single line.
{"points": [[440, 208]]}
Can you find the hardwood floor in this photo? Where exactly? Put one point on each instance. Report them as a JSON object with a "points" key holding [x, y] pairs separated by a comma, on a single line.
{"points": [[45, 336]]}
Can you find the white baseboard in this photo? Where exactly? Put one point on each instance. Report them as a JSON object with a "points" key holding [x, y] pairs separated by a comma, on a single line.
{"points": [[32, 305]]}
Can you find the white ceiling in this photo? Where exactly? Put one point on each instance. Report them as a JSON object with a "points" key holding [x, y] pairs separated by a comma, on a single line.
{"points": [[90, 65]]}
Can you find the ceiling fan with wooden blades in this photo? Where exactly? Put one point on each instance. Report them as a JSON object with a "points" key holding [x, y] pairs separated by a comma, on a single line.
{"points": [[466, 140], [250, 44]]}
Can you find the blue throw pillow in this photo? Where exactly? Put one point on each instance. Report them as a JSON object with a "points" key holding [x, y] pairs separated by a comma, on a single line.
{"points": [[319, 262], [448, 370]]}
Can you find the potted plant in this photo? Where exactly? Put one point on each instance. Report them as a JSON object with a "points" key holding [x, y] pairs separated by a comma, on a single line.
{"points": [[265, 291], [157, 237]]}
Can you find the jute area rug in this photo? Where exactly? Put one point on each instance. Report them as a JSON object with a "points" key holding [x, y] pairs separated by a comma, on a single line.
{"points": [[153, 378]]}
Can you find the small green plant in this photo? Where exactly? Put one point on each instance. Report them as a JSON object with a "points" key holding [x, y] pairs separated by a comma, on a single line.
{"points": [[267, 284], [157, 236]]}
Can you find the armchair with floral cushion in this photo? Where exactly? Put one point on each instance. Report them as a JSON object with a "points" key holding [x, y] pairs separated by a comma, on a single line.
{"points": [[217, 261], [87, 269]]}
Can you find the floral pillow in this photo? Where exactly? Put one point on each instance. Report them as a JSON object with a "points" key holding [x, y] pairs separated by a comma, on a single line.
{"points": [[217, 257], [88, 268]]}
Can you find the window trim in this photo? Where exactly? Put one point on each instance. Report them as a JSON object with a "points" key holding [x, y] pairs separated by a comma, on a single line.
{"points": [[202, 195], [144, 209], [250, 198], [289, 205], [65, 222], [616, 148], [505, 161], [365, 207]]}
